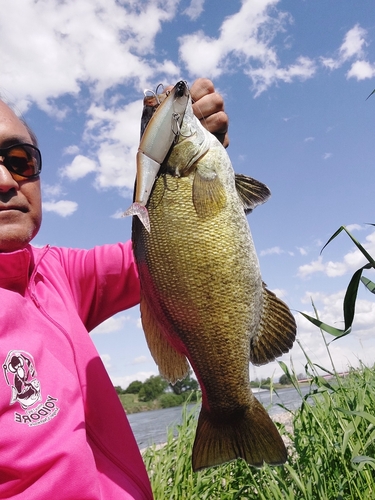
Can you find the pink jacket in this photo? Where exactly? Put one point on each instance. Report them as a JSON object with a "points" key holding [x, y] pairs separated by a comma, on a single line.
{"points": [[63, 432]]}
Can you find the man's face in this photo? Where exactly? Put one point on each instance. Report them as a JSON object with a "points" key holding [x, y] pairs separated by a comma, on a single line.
{"points": [[20, 201]]}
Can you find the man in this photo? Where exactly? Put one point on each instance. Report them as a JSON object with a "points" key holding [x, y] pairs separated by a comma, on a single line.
{"points": [[63, 432]]}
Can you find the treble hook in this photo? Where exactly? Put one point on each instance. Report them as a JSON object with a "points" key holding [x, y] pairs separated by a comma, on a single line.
{"points": [[151, 93]]}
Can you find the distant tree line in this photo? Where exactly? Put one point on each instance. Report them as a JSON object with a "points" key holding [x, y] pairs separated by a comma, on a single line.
{"points": [[168, 395], [266, 382], [155, 387]]}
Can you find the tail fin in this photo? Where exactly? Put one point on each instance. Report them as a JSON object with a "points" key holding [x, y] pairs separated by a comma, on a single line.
{"points": [[252, 437]]}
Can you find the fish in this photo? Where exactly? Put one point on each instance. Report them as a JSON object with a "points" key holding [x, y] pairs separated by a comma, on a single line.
{"points": [[203, 302]]}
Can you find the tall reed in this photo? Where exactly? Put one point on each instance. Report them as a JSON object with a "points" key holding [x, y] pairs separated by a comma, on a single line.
{"points": [[331, 449]]}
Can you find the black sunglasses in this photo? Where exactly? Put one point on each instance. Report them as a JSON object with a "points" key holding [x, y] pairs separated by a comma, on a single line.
{"points": [[23, 161]]}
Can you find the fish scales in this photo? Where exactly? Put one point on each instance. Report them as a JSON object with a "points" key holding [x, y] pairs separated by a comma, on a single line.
{"points": [[193, 292], [202, 297]]}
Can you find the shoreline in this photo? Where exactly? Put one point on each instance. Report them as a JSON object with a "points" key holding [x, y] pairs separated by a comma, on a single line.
{"points": [[140, 407], [285, 418]]}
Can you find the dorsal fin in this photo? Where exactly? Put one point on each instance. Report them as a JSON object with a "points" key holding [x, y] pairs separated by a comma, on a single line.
{"points": [[251, 192]]}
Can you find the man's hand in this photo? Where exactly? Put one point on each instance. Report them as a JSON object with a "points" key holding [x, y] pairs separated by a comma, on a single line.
{"points": [[209, 109]]}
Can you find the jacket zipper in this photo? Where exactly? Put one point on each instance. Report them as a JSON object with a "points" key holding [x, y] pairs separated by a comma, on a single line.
{"points": [[92, 435]]}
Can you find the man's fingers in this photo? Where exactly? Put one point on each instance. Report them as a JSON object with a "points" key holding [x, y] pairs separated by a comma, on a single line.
{"points": [[200, 88], [213, 117], [208, 105], [216, 123]]}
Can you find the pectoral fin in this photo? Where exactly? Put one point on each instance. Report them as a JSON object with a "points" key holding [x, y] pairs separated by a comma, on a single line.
{"points": [[277, 330], [173, 366], [251, 192], [209, 196]]}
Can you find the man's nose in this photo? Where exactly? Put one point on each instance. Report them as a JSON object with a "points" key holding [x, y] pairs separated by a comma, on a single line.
{"points": [[6, 180]]}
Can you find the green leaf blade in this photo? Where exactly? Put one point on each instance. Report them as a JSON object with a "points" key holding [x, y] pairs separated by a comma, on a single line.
{"points": [[336, 332], [370, 285]]}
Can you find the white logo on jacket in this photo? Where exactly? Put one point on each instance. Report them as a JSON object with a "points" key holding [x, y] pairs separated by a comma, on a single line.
{"points": [[20, 374]]}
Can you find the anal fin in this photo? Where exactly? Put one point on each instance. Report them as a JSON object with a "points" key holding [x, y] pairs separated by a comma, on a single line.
{"points": [[277, 330], [173, 365]]}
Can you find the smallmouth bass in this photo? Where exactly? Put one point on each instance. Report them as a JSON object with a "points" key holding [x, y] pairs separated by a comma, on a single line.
{"points": [[203, 301]]}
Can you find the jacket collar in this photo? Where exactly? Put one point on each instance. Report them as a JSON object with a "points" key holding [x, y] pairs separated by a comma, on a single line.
{"points": [[15, 269]]}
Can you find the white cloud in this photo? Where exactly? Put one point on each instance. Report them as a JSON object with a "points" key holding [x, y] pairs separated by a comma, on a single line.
{"points": [[331, 63], [354, 227], [309, 139], [124, 381], [80, 167], [64, 208], [314, 267], [302, 250], [361, 70], [71, 150], [118, 214], [115, 46], [326, 156], [140, 360], [269, 74], [353, 43], [51, 191], [330, 311], [351, 47], [195, 9], [210, 57], [245, 42], [100, 43], [271, 251], [118, 130], [110, 325], [351, 261], [333, 269]]}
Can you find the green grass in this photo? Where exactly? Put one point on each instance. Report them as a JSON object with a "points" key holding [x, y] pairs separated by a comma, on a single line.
{"points": [[331, 450], [131, 403], [331, 446]]}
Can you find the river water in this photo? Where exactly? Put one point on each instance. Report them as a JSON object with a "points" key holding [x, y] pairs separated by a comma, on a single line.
{"points": [[151, 426]]}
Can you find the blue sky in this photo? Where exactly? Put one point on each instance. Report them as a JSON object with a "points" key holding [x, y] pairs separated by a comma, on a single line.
{"points": [[295, 76]]}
